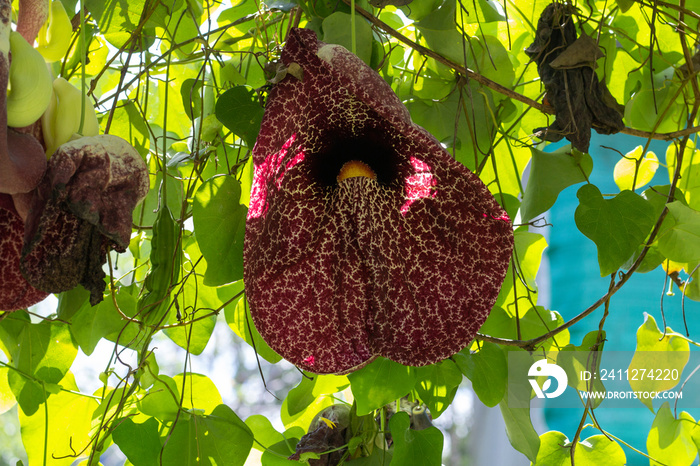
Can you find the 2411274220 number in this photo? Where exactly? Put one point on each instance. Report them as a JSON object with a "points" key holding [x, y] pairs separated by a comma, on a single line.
{"points": [[633, 374]]}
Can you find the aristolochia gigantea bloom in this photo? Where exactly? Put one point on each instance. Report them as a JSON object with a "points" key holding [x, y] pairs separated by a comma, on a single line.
{"points": [[364, 237]]}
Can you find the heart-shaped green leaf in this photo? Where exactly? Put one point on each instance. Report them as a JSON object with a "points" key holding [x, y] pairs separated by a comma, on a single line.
{"points": [[550, 174], [679, 240], [617, 226], [239, 111], [670, 440], [414, 446], [487, 370], [337, 30], [437, 385], [635, 169], [379, 383], [219, 225], [656, 350]]}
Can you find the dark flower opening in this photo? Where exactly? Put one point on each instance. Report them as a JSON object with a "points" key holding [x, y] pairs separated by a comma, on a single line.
{"points": [[371, 149], [355, 169]]}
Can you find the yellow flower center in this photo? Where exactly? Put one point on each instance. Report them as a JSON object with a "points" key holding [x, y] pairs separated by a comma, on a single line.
{"points": [[355, 168]]}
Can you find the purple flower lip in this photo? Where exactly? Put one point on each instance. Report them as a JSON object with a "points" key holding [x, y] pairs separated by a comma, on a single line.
{"points": [[339, 270]]}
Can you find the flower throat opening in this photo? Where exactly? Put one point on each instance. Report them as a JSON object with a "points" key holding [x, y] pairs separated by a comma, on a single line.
{"points": [[355, 169], [366, 156]]}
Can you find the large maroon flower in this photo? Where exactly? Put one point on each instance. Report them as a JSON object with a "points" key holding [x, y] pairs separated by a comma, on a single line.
{"points": [[401, 255]]}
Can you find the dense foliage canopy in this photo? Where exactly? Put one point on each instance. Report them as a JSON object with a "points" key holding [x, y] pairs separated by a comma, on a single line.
{"points": [[185, 83]]}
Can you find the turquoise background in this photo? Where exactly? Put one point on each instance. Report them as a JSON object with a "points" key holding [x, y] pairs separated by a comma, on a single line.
{"points": [[576, 284]]}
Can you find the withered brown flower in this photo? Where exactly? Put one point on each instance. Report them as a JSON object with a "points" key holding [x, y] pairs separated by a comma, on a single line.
{"points": [[81, 210]]}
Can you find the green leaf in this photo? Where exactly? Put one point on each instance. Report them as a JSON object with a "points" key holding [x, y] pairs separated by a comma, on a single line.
{"points": [[11, 327], [641, 111], [656, 350], [484, 11], [149, 371], [46, 352], [195, 301], [320, 8], [126, 332], [378, 457], [474, 131], [550, 173], [529, 248], [679, 239], [140, 442], [575, 359], [422, 447], [162, 400], [310, 397], [182, 25], [64, 421], [635, 169], [487, 370], [617, 226], [239, 110], [519, 429], [7, 399], [533, 323], [190, 91], [419, 10], [277, 454], [246, 178], [265, 434], [437, 385], [601, 451], [200, 393], [217, 439], [230, 74], [439, 31], [692, 289], [310, 388], [625, 4], [72, 301], [92, 323], [622, 71], [492, 60], [130, 124], [379, 383], [117, 18], [219, 225], [670, 442], [337, 29], [689, 182], [553, 450], [113, 402], [240, 321], [596, 450]]}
